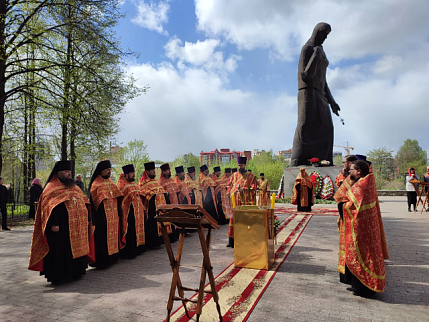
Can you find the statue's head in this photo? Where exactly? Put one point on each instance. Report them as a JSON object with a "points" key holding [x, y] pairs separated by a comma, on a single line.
{"points": [[320, 32]]}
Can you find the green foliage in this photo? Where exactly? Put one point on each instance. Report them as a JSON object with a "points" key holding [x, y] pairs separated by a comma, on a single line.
{"points": [[338, 160], [135, 152], [382, 162], [271, 165], [410, 154]]}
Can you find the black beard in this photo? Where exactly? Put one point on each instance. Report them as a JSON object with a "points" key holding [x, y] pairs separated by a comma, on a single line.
{"points": [[131, 179], [151, 176], [242, 171], [68, 182], [105, 177], [167, 176]]}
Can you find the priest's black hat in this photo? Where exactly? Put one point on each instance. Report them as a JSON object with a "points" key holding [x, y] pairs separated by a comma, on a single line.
{"points": [[203, 168], [228, 170], [59, 166], [128, 168], [191, 169], [179, 169], [216, 169], [149, 166], [165, 167]]}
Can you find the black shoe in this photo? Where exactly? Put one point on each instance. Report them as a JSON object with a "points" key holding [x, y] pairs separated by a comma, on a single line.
{"points": [[409, 210], [5, 228], [366, 294], [351, 289]]}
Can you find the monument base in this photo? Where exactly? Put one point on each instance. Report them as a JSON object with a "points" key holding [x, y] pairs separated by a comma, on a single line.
{"points": [[291, 173]]}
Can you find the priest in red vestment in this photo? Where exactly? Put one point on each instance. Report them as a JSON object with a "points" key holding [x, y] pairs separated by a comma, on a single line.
{"points": [[223, 202], [62, 239], [133, 218], [207, 187], [243, 187], [303, 195], [106, 200], [264, 191], [169, 185], [185, 195], [194, 187], [365, 242], [154, 195]]}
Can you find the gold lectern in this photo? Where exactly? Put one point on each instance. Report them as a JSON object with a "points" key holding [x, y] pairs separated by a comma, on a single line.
{"points": [[253, 237], [188, 216]]}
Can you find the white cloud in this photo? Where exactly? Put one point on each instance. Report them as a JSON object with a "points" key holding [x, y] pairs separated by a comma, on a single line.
{"points": [[358, 28], [190, 110], [152, 16]]}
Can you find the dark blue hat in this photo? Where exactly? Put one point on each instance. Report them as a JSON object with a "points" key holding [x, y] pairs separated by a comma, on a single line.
{"points": [[216, 169], [203, 168], [179, 169], [191, 169], [241, 160]]}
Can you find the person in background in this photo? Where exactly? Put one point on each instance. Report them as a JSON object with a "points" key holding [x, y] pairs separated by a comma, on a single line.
{"points": [[303, 195], [264, 191], [410, 187], [4, 197], [35, 192], [426, 179], [79, 183]]}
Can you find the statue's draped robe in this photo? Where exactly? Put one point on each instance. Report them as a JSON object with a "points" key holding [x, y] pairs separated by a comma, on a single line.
{"points": [[62, 255], [365, 241], [107, 213], [154, 195], [314, 134], [247, 196], [133, 218], [264, 193]]}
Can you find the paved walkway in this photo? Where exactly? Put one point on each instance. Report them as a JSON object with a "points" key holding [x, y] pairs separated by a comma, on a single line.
{"points": [[306, 287]]}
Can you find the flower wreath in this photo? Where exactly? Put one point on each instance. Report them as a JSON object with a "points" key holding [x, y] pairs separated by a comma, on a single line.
{"points": [[327, 189], [316, 178]]}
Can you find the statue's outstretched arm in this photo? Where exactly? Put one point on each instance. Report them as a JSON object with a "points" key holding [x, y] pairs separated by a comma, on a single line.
{"points": [[334, 106]]}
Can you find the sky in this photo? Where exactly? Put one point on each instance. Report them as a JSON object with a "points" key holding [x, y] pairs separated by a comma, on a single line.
{"points": [[223, 73]]}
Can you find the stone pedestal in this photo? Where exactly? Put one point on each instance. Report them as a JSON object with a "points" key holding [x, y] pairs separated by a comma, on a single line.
{"points": [[291, 173]]}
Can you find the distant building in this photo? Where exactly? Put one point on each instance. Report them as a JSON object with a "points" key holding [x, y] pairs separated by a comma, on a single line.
{"points": [[335, 153], [286, 154], [222, 156], [257, 152]]}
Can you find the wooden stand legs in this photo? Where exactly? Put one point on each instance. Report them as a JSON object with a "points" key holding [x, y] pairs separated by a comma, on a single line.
{"points": [[176, 282]]}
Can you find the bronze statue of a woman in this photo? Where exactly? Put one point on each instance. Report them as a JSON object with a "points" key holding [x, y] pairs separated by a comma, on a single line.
{"points": [[314, 134]]}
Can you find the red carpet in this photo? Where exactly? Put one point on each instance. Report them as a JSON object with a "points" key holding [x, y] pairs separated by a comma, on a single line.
{"points": [[314, 211], [240, 289]]}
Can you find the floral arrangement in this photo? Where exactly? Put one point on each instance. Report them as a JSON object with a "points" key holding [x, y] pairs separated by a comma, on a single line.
{"points": [[314, 160], [328, 188], [316, 178], [325, 162]]}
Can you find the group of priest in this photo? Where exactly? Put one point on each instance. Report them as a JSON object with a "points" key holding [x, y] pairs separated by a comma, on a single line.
{"points": [[118, 220]]}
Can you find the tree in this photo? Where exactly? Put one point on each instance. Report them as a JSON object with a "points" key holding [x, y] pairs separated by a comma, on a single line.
{"points": [[135, 152], [382, 162], [410, 154], [338, 160]]}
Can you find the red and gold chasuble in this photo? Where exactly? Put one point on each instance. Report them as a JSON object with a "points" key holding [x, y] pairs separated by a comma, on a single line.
{"points": [[304, 180], [195, 188], [205, 183], [264, 193], [184, 191], [339, 197], [148, 188], [105, 191], [132, 196], [365, 241], [339, 179], [247, 196], [81, 231], [222, 187], [171, 187]]}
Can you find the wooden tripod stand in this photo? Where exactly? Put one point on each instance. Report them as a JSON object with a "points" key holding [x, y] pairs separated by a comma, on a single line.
{"points": [[188, 216]]}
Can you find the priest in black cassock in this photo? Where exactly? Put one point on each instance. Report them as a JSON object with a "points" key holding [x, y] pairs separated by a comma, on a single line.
{"points": [[62, 232], [106, 202]]}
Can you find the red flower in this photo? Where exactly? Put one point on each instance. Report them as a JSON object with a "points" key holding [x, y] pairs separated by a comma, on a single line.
{"points": [[314, 160]]}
